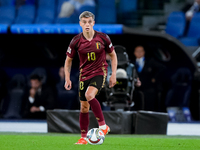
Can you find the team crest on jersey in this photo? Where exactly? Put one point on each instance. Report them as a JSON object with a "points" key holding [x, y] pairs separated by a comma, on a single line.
{"points": [[69, 50], [98, 45]]}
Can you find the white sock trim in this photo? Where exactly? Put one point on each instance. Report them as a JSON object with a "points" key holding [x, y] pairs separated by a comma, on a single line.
{"points": [[103, 127]]}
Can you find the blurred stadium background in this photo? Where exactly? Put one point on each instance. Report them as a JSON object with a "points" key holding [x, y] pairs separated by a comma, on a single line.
{"points": [[34, 38]]}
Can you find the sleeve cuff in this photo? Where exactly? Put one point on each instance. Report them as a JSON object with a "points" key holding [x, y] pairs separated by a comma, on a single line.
{"points": [[42, 108], [31, 99]]}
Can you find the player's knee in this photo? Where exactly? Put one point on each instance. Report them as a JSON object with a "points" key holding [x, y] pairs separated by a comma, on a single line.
{"points": [[84, 109], [89, 96]]}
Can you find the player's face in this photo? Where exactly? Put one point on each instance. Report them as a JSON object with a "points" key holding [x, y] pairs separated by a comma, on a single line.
{"points": [[36, 84], [87, 24], [139, 52]]}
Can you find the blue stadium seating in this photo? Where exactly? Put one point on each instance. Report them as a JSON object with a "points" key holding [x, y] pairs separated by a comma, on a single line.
{"points": [[106, 15], [87, 8], [126, 6], [62, 20], [106, 11], [74, 18], [176, 24], [105, 2], [25, 15], [59, 5], [47, 3], [45, 15], [189, 41], [13, 2], [46, 11], [7, 14], [193, 34], [7, 2], [3, 30], [31, 2], [194, 29]]}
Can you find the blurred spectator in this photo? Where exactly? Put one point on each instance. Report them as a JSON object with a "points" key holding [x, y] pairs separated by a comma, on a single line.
{"points": [[69, 7], [67, 99], [191, 9], [149, 72], [180, 90], [61, 82], [178, 96], [42, 73], [41, 98]]}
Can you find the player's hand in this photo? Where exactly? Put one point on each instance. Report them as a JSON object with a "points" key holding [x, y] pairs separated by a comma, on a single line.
{"points": [[68, 85], [112, 81], [138, 83], [34, 109]]}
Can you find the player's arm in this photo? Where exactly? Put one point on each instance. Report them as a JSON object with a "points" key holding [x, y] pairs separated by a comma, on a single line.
{"points": [[113, 57], [67, 69]]}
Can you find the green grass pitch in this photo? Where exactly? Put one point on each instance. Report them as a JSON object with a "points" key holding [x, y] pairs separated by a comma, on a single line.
{"points": [[53, 141]]}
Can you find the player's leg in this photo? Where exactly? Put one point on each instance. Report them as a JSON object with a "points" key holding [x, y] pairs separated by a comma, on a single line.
{"points": [[84, 121], [84, 118], [95, 105], [96, 108], [84, 113]]}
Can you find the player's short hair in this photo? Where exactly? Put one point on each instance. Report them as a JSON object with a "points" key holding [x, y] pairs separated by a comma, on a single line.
{"points": [[35, 77], [86, 14], [139, 46]]}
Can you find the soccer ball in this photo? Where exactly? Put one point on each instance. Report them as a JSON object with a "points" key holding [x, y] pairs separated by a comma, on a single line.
{"points": [[95, 136]]}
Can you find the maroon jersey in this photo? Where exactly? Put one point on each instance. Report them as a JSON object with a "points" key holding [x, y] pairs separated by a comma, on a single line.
{"points": [[92, 54]]}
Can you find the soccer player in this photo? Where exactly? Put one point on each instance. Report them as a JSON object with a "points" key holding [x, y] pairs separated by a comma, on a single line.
{"points": [[91, 46]]}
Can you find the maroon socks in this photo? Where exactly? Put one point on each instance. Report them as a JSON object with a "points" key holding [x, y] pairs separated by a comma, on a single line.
{"points": [[84, 117], [96, 108], [84, 123]]}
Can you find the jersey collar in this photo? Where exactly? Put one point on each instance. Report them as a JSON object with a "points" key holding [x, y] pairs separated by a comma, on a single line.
{"points": [[93, 35]]}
